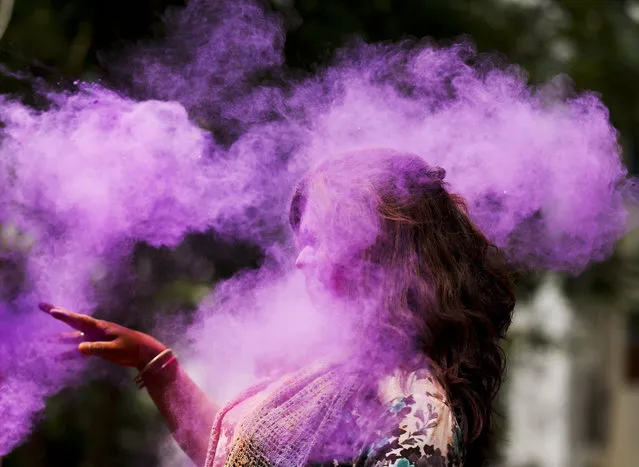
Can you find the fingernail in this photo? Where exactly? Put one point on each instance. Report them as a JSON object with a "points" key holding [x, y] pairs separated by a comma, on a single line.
{"points": [[46, 307]]}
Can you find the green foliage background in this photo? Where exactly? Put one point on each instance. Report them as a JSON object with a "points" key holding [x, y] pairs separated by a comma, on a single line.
{"points": [[104, 423]]}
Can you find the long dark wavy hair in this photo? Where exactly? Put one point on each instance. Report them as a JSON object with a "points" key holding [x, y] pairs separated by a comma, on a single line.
{"points": [[448, 290]]}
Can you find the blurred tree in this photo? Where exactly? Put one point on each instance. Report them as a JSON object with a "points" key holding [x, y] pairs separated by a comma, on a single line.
{"points": [[58, 41]]}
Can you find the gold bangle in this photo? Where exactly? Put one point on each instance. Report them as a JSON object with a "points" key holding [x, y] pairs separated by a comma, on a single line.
{"points": [[144, 379], [155, 359], [149, 366]]}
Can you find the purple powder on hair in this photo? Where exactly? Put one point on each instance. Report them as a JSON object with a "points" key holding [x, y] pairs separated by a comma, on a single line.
{"points": [[100, 171]]}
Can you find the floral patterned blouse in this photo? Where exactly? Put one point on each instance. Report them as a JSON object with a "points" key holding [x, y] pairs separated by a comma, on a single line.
{"points": [[426, 431]]}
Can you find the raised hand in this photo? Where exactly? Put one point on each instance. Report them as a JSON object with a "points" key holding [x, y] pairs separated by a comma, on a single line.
{"points": [[106, 340], [187, 410]]}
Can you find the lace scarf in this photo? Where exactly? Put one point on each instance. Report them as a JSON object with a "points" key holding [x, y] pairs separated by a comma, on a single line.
{"points": [[292, 422]]}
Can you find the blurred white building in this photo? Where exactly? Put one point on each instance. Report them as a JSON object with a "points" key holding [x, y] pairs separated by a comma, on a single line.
{"points": [[538, 385], [575, 401]]}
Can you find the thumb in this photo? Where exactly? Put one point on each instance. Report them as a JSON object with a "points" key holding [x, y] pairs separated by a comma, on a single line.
{"points": [[96, 349]]}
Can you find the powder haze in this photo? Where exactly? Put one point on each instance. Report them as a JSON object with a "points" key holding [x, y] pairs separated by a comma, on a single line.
{"points": [[208, 129]]}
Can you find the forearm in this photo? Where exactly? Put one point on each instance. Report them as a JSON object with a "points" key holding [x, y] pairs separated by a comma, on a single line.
{"points": [[186, 409], [188, 412]]}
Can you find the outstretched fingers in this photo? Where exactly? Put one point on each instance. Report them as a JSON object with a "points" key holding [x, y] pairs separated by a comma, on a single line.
{"points": [[73, 337], [97, 349], [83, 323]]}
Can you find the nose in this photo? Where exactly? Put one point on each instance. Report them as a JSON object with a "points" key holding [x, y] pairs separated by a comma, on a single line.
{"points": [[305, 257]]}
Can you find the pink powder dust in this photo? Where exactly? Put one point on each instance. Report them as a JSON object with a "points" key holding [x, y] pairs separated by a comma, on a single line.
{"points": [[101, 171]]}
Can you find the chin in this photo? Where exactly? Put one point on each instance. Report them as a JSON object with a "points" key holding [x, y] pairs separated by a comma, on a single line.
{"points": [[320, 291]]}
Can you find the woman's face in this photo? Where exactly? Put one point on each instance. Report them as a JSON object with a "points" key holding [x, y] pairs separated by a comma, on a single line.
{"points": [[312, 258], [323, 274]]}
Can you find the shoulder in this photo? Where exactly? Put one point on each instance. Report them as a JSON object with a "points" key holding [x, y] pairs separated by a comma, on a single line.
{"points": [[424, 430]]}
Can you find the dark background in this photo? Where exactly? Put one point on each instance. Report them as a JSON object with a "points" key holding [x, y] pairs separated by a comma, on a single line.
{"points": [[58, 41]]}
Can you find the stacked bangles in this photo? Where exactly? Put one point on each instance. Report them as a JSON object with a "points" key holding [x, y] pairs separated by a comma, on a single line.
{"points": [[156, 368]]}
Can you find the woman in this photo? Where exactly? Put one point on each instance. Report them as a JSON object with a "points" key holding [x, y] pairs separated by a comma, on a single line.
{"points": [[379, 233]]}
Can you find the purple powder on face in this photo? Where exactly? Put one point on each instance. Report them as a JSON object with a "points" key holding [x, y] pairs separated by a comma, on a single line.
{"points": [[100, 171]]}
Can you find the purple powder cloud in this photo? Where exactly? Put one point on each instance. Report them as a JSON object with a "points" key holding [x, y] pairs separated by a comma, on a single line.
{"points": [[101, 171]]}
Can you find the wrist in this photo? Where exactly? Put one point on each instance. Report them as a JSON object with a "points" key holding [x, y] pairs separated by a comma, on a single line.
{"points": [[148, 352], [162, 368]]}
